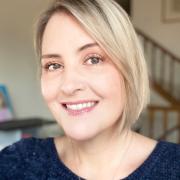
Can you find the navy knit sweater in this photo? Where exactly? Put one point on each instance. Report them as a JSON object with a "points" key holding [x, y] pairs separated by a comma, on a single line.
{"points": [[37, 159]]}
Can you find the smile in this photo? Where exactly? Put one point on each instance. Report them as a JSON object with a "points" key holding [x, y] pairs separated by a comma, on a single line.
{"points": [[79, 108]]}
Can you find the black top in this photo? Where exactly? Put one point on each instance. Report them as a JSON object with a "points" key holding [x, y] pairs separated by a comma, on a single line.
{"points": [[37, 159]]}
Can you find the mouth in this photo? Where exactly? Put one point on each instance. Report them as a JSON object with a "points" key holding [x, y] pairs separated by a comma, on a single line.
{"points": [[79, 108]]}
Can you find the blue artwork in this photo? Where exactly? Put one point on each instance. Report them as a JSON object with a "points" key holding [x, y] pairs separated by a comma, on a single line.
{"points": [[6, 110]]}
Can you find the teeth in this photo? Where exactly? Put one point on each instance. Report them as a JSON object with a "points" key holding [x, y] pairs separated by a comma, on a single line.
{"points": [[80, 106], [84, 105]]}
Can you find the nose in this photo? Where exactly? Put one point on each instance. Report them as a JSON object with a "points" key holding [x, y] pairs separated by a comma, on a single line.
{"points": [[72, 83]]}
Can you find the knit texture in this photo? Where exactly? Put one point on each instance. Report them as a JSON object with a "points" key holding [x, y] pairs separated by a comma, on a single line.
{"points": [[37, 159]]}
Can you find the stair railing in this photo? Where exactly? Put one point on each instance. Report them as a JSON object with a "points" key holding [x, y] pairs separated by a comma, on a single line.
{"points": [[165, 114], [164, 69]]}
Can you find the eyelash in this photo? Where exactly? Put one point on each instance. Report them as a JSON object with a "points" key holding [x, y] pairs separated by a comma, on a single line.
{"points": [[89, 57], [92, 56], [49, 64]]}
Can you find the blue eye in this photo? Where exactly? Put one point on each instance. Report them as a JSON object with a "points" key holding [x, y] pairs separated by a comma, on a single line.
{"points": [[93, 60], [52, 66]]}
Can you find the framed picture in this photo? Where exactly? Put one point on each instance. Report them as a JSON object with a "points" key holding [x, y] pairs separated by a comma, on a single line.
{"points": [[170, 10], [6, 110]]}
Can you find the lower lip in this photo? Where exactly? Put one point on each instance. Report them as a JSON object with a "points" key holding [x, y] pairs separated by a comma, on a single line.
{"points": [[80, 112]]}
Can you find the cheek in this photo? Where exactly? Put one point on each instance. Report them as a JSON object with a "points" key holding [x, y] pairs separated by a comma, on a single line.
{"points": [[49, 89], [110, 84]]}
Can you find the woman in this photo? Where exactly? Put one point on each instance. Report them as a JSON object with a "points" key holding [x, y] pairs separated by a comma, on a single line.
{"points": [[94, 81]]}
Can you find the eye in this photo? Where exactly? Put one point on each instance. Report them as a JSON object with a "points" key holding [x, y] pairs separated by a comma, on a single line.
{"points": [[53, 66], [93, 59]]}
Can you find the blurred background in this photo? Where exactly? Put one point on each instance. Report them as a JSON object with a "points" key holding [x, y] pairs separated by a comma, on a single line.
{"points": [[157, 23]]}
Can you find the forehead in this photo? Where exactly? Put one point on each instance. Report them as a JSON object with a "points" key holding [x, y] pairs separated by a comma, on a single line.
{"points": [[64, 30]]}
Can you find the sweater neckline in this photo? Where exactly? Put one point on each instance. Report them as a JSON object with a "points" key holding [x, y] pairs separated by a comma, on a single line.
{"points": [[142, 170]]}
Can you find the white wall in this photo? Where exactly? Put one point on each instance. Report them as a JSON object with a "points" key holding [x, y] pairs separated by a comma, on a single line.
{"points": [[18, 64], [147, 16]]}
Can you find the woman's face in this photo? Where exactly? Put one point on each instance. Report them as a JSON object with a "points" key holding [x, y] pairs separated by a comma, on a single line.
{"points": [[82, 88]]}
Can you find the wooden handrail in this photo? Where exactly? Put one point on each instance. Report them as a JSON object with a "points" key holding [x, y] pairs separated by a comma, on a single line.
{"points": [[163, 68], [169, 131], [174, 57], [165, 110], [162, 65]]}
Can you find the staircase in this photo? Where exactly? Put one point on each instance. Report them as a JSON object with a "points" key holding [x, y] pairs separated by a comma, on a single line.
{"points": [[164, 71]]}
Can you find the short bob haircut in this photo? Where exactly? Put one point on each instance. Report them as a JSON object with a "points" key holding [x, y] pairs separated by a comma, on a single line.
{"points": [[109, 25]]}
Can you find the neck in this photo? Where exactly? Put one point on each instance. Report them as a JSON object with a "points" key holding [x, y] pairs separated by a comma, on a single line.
{"points": [[101, 143], [95, 153]]}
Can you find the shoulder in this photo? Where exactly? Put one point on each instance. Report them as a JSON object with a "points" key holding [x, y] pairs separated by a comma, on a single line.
{"points": [[162, 163], [22, 155], [24, 147], [170, 150], [167, 160]]}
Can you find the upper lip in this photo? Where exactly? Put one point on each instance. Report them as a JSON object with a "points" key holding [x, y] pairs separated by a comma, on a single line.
{"points": [[78, 102]]}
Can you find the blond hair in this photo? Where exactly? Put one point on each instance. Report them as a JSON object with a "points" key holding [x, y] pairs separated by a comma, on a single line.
{"points": [[109, 25]]}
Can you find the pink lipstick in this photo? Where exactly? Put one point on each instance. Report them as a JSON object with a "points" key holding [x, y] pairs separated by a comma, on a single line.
{"points": [[79, 107]]}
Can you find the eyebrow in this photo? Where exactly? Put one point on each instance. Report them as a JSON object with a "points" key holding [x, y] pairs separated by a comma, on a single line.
{"points": [[54, 55], [86, 46]]}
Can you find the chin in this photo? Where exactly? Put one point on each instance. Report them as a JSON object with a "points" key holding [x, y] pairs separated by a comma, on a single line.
{"points": [[80, 134]]}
